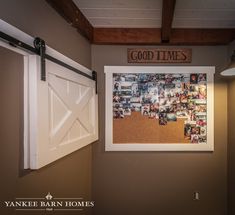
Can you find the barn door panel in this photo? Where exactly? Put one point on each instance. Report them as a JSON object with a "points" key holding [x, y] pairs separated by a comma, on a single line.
{"points": [[66, 116]]}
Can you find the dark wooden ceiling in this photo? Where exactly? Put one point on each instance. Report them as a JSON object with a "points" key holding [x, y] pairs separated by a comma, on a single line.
{"points": [[166, 35]]}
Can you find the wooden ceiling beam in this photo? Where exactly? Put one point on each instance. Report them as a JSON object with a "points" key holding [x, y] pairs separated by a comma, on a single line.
{"points": [[189, 36], [71, 13], [168, 8], [119, 36], [152, 36]]}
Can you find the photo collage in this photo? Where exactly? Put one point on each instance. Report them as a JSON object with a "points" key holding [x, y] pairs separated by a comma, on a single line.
{"points": [[164, 97]]}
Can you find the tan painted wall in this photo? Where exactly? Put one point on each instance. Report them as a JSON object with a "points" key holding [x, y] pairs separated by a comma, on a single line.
{"points": [[231, 140], [161, 182], [231, 146], [39, 19], [69, 176]]}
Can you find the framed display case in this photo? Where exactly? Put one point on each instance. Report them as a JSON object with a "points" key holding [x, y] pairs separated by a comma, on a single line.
{"points": [[159, 108]]}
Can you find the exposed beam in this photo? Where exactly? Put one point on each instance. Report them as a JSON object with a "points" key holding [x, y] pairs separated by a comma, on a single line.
{"points": [[127, 36], [152, 36], [189, 36], [168, 8], [71, 13]]}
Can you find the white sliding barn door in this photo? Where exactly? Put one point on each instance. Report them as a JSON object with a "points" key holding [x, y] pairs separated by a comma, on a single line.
{"points": [[63, 113]]}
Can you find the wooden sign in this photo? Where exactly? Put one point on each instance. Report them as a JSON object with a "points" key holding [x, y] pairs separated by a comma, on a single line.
{"points": [[156, 55]]}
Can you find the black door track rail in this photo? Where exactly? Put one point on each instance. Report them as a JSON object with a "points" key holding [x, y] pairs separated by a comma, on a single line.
{"points": [[40, 49]]}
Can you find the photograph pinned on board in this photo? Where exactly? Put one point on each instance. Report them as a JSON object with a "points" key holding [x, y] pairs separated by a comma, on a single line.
{"points": [[135, 107], [194, 138], [162, 119], [202, 78], [187, 131], [203, 131], [195, 130], [202, 92], [117, 86], [202, 139], [152, 115], [193, 78], [171, 117], [145, 109]]}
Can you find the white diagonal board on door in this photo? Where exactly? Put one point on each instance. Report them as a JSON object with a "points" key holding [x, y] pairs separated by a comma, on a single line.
{"points": [[75, 105]]}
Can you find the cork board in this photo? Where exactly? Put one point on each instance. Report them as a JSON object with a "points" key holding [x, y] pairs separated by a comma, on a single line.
{"points": [[139, 129], [165, 109]]}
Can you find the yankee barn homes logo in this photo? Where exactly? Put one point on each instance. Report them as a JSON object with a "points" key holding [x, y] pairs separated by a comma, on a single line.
{"points": [[48, 203]]}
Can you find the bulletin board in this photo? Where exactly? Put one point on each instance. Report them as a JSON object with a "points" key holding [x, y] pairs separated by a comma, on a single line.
{"points": [[159, 108]]}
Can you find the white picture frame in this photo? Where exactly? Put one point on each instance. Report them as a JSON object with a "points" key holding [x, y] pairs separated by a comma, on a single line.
{"points": [[110, 71]]}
